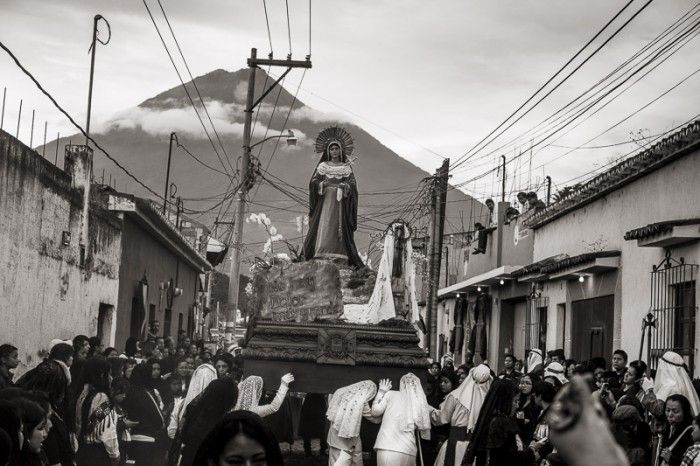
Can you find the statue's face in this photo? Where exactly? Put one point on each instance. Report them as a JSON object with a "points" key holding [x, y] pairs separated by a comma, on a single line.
{"points": [[334, 153]]}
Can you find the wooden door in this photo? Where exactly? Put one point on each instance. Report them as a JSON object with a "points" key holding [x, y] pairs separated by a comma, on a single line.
{"points": [[592, 328]]}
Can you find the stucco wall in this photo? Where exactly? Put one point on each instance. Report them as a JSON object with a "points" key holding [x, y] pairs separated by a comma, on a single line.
{"points": [[142, 253], [44, 293], [670, 193]]}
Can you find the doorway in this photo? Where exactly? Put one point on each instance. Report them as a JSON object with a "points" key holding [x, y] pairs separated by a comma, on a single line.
{"points": [[592, 328]]}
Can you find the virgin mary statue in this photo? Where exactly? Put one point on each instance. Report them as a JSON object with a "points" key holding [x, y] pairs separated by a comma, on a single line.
{"points": [[333, 201]]}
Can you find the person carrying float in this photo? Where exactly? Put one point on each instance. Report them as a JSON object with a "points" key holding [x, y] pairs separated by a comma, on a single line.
{"points": [[347, 406]]}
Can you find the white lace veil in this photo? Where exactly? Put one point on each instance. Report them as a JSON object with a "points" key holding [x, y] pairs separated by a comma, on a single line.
{"points": [[201, 378], [415, 414], [346, 405], [672, 378], [472, 391], [249, 393]]}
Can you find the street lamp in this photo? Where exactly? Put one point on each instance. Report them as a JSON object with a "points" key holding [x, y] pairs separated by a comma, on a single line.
{"points": [[291, 139]]}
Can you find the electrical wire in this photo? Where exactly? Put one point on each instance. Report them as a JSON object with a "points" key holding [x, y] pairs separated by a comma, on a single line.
{"points": [[649, 59], [182, 82], [267, 23], [194, 83], [289, 28], [74, 123], [466, 157]]}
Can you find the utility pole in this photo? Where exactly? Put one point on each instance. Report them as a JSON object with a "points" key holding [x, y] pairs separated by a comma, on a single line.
{"points": [[549, 188], [167, 171], [246, 181], [503, 181], [437, 227], [93, 46]]}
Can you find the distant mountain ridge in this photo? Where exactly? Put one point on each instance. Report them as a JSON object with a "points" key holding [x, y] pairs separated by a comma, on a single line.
{"points": [[139, 140]]}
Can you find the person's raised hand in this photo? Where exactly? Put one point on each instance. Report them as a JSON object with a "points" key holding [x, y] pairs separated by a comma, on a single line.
{"points": [[384, 385], [287, 379], [578, 431]]}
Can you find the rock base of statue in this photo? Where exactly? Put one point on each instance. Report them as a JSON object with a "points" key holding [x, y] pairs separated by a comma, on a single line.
{"points": [[356, 285], [323, 352]]}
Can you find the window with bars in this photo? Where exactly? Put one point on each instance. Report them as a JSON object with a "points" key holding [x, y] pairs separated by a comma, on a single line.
{"points": [[674, 307], [536, 323]]}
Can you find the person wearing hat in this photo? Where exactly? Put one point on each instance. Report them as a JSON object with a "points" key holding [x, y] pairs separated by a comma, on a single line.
{"points": [[555, 370], [557, 355]]}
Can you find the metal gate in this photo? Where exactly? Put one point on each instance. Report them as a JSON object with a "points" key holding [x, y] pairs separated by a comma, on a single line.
{"points": [[673, 307]]}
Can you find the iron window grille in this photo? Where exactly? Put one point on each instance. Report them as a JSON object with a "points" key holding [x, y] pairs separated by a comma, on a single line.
{"points": [[674, 307]]}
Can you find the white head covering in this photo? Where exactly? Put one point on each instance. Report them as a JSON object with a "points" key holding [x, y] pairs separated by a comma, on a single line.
{"points": [[249, 392], [534, 358], [472, 391], [672, 378], [556, 370], [202, 377], [416, 412], [346, 405]]}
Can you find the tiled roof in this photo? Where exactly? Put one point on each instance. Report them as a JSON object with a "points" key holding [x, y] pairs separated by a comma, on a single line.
{"points": [[676, 145], [535, 267], [658, 228], [577, 260]]}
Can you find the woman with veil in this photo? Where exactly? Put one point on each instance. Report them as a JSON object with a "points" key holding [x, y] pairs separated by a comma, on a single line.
{"points": [[461, 409], [333, 201], [403, 413], [348, 405], [250, 391]]}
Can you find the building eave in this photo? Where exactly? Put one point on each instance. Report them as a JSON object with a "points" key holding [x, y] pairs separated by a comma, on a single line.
{"points": [[489, 278], [666, 234], [583, 264], [144, 214]]}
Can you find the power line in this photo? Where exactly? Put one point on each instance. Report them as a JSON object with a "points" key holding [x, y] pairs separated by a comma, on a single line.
{"points": [[289, 28], [182, 82], [187, 151], [640, 66], [194, 83], [464, 157], [74, 123], [267, 23]]}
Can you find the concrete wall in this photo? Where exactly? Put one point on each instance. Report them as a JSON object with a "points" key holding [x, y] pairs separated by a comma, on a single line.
{"points": [[44, 293], [142, 253], [669, 193]]}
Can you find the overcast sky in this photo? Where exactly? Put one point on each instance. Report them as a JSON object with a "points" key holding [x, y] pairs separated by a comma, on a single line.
{"points": [[416, 74]]}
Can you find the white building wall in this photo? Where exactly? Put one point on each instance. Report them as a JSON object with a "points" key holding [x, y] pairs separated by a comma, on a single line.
{"points": [[670, 193]]}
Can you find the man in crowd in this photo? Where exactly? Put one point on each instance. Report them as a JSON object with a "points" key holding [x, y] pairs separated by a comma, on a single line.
{"points": [[619, 364], [509, 371]]}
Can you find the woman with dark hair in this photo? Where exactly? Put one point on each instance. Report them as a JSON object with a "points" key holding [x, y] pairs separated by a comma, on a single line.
{"points": [[36, 425], [11, 424], [239, 438], [131, 347], [494, 439], [677, 434], [503, 442], [203, 414], [50, 379], [527, 411], [632, 379], [144, 406], [95, 419]]}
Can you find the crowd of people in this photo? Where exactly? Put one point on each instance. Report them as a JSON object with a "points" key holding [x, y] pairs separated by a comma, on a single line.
{"points": [[161, 402]]}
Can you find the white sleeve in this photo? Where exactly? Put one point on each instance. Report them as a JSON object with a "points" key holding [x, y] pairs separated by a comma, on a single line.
{"points": [[275, 404], [379, 404]]}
